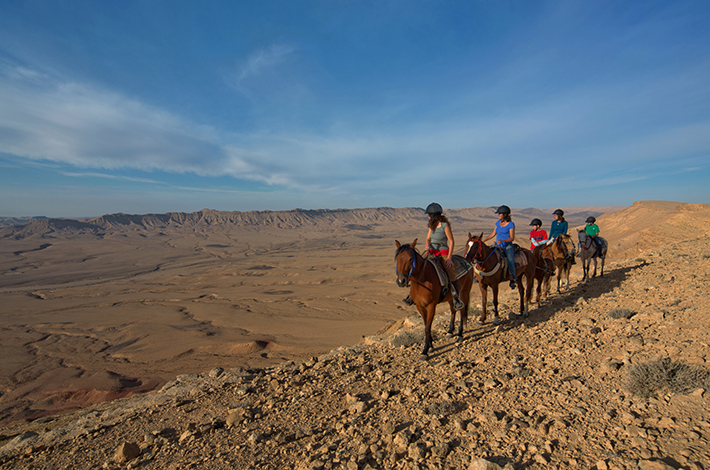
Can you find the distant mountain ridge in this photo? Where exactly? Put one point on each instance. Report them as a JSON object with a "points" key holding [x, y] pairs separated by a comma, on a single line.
{"points": [[291, 219]]}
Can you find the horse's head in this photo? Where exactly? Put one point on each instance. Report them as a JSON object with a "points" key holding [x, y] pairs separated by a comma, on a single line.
{"points": [[405, 259], [474, 247]]}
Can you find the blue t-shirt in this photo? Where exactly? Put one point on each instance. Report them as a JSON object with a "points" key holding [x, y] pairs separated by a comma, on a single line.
{"points": [[503, 233], [557, 228]]}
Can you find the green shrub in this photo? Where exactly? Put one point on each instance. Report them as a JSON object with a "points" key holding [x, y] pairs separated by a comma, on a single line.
{"points": [[646, 379]]}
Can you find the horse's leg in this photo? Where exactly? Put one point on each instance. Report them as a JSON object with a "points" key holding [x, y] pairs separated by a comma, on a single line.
{"points": [[484, 301], [602, 273], [529, 290], [450, 332], [494, 288], [594, 274], [467, 283], [427, 314], [560, 270]]}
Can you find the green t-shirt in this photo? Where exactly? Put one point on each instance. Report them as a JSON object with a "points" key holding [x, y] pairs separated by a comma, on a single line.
{"points": [[592, 230]]}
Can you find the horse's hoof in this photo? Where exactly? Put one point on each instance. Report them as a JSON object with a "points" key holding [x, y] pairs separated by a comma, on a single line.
{"points": [[423, 357], [449, 336], [459, 339], [496, 320]]}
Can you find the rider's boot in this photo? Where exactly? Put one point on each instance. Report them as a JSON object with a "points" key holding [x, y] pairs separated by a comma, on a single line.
{"points": [[458, 305], [408, 300]]}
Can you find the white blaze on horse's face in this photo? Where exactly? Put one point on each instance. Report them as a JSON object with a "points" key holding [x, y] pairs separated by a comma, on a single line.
{"points": [[470, 245]]}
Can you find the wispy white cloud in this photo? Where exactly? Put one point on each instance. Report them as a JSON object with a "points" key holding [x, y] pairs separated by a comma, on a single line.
{"points": [[264, 59]]}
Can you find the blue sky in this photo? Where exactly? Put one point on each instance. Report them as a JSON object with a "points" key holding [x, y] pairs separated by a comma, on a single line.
{"points": [[157, 106]]}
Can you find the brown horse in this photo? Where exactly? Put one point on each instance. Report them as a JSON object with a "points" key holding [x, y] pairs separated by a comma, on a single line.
{"points": [[488, 266], [562, 249], [588, 251], [425, 290], [544, 269]]}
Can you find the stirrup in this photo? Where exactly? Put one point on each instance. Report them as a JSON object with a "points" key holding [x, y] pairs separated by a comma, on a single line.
{"points": [[458, 305]]}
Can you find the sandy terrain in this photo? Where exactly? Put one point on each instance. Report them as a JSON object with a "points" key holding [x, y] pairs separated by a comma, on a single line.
{"points": [[572, 386], [101, 308]]}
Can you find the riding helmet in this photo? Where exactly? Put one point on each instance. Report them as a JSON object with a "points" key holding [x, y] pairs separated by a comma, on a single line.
{"points": [[434, 208], [591, 220], [559, 212], [536, 222], [503, 210]]}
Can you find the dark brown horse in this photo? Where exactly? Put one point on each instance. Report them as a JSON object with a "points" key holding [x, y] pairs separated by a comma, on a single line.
{"points": [[562, 249], [544, 269], [488, 267], [588, 251], [425, 290]]}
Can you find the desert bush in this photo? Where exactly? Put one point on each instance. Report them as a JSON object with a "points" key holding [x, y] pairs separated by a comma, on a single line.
{"points": [[621, 313], [646, 379]]}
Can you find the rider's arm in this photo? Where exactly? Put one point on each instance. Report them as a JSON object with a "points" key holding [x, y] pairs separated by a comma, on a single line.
{"points": [[450, 237], [428, 239]]}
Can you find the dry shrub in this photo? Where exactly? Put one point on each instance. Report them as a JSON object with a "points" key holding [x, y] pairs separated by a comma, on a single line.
{"points": [[646, 379], [621, 313]]}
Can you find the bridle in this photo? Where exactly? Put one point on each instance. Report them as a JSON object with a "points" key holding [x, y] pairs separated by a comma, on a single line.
{"points": [[413, 254], [474, 258]]}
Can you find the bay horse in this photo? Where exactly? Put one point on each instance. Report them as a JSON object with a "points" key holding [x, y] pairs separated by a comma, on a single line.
{"points": [[544, 269], [562, 249], [425, 290], [488, 267], [588, 251]]}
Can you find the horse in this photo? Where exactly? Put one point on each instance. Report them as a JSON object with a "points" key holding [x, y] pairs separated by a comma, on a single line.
{"points": [[544, 269], [425, 289], [588, 251], [562, 249], [488, 266]]}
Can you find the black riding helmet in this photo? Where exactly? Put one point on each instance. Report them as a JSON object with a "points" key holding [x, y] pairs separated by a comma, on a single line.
{"points": [[434, 208], [503, 210], [559, 212], [591, 220], [536, 222]]}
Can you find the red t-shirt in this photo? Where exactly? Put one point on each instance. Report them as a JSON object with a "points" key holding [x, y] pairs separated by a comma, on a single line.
{"points": [[537, 235]]}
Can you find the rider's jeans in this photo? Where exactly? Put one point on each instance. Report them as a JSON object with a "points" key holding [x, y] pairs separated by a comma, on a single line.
{"points": [[510, 254]]}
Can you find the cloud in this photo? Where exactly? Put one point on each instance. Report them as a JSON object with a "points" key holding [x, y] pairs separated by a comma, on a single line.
{"points": [[264, 59], [76, 124]]}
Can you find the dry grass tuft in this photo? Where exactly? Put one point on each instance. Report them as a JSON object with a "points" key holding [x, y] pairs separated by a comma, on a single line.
{"points": [[646, 379], [617, 313]]}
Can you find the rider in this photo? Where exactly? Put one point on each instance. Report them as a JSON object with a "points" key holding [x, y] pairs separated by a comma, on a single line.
{"points": [[537, 236], [592, 231], [504, 232], [559, 227], [440, 244]]}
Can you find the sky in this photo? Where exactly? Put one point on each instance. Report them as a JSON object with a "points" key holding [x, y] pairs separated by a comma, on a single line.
{"points": [[153, 106]]}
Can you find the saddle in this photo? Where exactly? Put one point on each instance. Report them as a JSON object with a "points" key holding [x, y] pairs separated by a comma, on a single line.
{"points": [[521, 261], [461, 267]]}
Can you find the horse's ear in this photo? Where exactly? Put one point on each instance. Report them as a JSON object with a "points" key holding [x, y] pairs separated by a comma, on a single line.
{"points": [[481, 236], [414, 243], [396, 242], [470, 236]]}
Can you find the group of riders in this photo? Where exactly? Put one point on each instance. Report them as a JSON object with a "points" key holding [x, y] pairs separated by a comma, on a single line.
{"points": [[440, 241]]}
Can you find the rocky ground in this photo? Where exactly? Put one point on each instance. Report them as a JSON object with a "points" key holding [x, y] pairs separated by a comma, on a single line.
{"points": [[548, 391]]}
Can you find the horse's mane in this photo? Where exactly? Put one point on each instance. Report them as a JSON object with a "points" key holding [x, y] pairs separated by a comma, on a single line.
{"points": [[405, 247]]}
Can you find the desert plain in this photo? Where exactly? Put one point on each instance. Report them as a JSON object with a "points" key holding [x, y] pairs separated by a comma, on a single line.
{"points": [[279, 340]]}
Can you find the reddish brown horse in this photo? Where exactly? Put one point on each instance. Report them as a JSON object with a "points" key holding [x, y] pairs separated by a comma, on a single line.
{"points": [[562, 249], [544, 269], [425, 290], [488, 266]]}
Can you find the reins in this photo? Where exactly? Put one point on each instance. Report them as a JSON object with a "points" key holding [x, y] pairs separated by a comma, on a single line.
{"points": [[480, 250]]}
